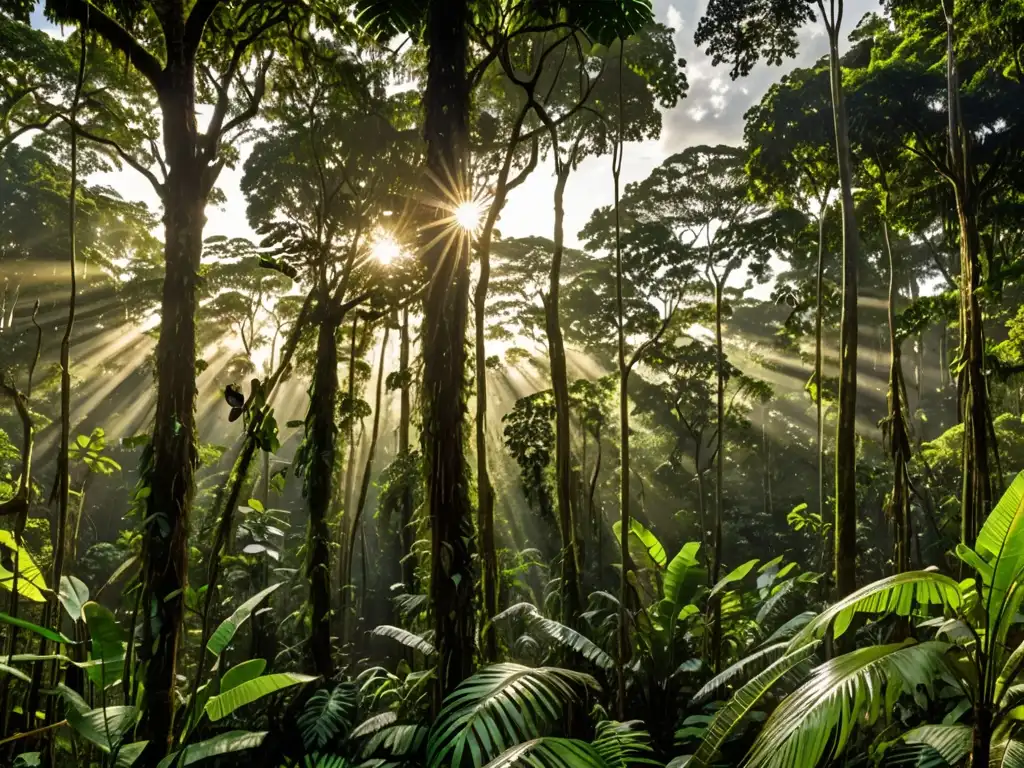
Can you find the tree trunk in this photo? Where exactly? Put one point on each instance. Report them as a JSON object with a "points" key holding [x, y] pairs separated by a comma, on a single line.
{"points": [[344, 587], [846, 436], [364, 488], [571, 598], [819, 388], [977, 494], [899, 439], [716, 568], [446, 257], [320, 455], [597, 520], [174, 456], [406, 535]]}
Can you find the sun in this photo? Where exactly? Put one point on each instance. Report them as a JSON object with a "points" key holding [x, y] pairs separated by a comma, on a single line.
{"points": [[468, 215], [385, 249]]}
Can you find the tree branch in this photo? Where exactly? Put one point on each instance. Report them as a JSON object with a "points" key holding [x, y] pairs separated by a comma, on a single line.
{"points": [[196, 23], [94, 19], [134, 163]]}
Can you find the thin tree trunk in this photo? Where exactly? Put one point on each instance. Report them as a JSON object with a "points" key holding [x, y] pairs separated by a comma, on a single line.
{"points": [[571, 597], [819, 389], [899, 439], [364, 486], [846, 436], [406, 534], [446, 256], [485, 493], [350, 472], [597, 520], [321, 435], [716, 569]]}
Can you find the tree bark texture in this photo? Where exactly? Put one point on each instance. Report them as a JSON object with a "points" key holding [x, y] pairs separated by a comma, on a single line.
{"points": [[445, 314]]}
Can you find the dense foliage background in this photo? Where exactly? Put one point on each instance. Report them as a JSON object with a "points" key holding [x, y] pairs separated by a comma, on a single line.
{"points": [[732, 476]]}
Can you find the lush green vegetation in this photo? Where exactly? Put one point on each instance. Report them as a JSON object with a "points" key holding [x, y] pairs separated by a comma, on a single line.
{"points": [[732, 476]]}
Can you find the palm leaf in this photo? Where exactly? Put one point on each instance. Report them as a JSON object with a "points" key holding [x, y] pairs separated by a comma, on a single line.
{"points": [[790, 628], [498, 707], [623, 745], [398, 740], [107, 645], [551, 752], [853, 689], [389, 18], [405, 637], [1007, 754], [222, 744], [736, 574], [327, 714], [742, 669], [559, 633], [745, 699], [222, 705], [898, 594], [950, 743], [373, 724]]}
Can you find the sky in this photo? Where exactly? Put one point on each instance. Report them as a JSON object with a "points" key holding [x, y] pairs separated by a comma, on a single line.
{"points": [[712, 113]]}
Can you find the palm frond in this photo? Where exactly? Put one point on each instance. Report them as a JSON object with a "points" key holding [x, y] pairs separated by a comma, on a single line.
{"points": [[790, 628], [327, 715], [853, 689], [746, 698], [371, 725], [899, 594], [1007, 754], [498, 707], [405, 637], [559, 633], [950, 743], [741, 670]]}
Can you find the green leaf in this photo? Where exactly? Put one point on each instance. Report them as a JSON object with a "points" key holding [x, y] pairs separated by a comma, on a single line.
{"points": [[899, 594], [222, 705], [848, 691], [646, 539], [558, 633], [683, 572], [405, 637], [103, 727], [745, 699], [743, 670], [241, 673], [951, 742], [736, 574], [49, 634], [31, 584], [73, 595], [498, 707], [223, 635], [107, 645], [327, 714], [222, 744], [1001, 543], [129, 753]]}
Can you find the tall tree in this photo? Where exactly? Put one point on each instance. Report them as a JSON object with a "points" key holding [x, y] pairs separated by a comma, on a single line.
{"points": [[725, 29]]}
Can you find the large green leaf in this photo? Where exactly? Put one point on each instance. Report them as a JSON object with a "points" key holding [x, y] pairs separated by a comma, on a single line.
{"points": [[389, 18], [736, 574], [223, 635], [222, 705], [31, 584], [683, 573], [405, 637], [241, 673], [222, 744], [327, 715], [608, 20], [498, 707], [1001, 543], [73, 595], [558, 633], [649, 543], [817, 719], [899, 594], [107, 645], [745, 699], [104, 727]]}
